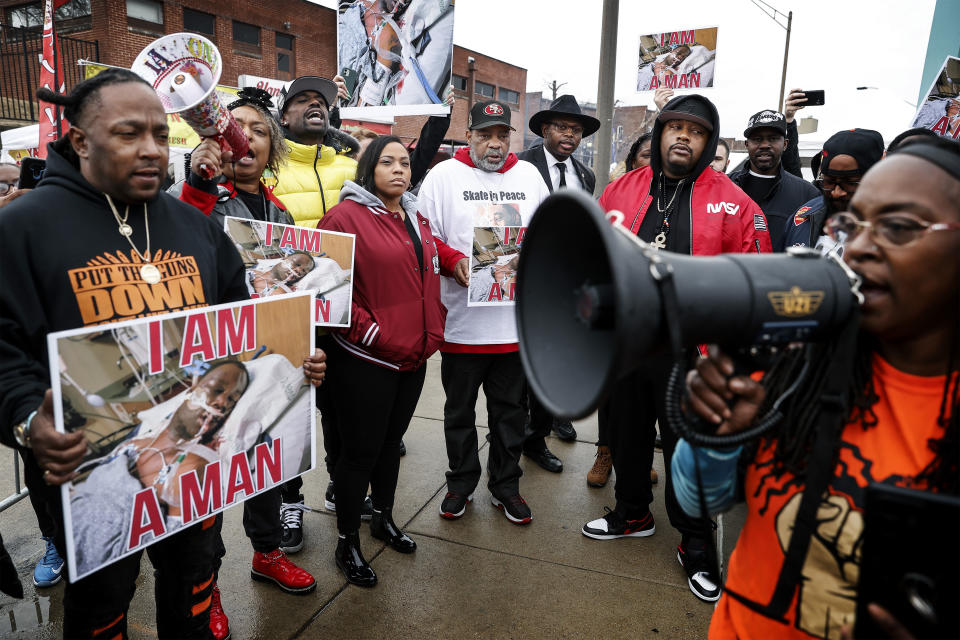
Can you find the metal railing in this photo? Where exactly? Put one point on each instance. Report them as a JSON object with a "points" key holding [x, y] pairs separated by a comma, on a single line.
{"points": [[20, 492], [20, 51]]}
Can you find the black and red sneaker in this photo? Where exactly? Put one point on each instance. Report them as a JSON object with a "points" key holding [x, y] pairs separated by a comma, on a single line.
{"points": [[614, 525], [514, 507], [454, 505]]}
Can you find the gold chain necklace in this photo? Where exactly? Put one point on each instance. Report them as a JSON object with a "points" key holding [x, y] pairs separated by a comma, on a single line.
{"points": [[150, 273]]}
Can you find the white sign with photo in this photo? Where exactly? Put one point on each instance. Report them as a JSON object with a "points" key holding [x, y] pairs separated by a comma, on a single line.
{"points": [[185, 414], [396, 56]]}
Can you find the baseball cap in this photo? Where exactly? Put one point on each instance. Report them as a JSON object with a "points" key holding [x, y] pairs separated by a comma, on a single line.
{"points": [[326, 88], [488, 114], [691, 110], [766, 119]]}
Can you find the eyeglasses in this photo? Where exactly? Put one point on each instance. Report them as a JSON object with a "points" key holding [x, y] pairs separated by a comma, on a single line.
{"points": [[566, 128], [896, 230], [6, 187], [828, 184]]}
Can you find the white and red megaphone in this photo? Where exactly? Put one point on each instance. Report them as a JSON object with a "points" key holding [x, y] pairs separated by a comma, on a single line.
{"points": [[184, 68]]}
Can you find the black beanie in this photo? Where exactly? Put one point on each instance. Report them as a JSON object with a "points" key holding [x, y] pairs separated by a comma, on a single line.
{"points": [[864, 145]]}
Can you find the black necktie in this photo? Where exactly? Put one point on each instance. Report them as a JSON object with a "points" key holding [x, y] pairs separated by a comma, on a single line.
{"points": [[563, 173]]}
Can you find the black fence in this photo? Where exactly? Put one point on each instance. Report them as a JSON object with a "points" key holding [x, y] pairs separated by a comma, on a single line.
{"points": [[20, 51]]}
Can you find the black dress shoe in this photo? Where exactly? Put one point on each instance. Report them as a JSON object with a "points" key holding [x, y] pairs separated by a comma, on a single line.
{"points": [[403, 449], [350, 561], [546, 460], [384, 528], [564, 430]]}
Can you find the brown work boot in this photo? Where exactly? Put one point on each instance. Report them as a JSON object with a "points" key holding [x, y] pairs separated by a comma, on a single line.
{"points": [[654, 478], [600, 473]]}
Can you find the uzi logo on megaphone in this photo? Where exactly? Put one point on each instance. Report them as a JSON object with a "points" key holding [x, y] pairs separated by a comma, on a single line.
{"points": [[184, 68]]}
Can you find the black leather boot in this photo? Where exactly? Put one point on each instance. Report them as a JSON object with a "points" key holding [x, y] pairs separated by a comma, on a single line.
{"points": [[383, 527], [350, 561]]}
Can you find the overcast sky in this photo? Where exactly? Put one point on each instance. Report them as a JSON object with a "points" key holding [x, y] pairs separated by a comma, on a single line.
{"points": [[836, 45]]}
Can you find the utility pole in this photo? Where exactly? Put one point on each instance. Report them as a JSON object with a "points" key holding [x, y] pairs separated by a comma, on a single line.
{"points": [[786, 52], [554, 87], [472, 69], [772, 13], [607, 73]]}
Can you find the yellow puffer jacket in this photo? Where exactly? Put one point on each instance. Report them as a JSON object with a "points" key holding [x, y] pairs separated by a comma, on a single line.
{"points": [[299, 181]]}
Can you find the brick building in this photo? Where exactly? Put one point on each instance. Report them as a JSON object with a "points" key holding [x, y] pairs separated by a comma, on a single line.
{"points": [[269, 39], [628, 124], [272, 40], [491, 78]]}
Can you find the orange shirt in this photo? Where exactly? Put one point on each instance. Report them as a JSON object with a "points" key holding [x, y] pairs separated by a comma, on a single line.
{"points": [[892, 451]]}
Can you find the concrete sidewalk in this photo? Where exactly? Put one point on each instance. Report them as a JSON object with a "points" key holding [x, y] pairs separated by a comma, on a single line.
{"points": [[479, 576]]}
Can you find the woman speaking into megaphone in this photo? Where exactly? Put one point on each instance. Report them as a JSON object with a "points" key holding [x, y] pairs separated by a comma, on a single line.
{"points": [[220, 184], [874, 405]]}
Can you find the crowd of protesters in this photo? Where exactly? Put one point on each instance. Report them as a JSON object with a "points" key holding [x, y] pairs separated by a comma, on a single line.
{"points": [[893, 213]]}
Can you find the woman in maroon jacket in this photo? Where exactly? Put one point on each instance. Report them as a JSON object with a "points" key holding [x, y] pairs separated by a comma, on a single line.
{"points": [[380, 360]]}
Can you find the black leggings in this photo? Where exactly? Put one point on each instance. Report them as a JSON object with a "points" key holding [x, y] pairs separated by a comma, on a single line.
{"points": [[372, 406]]}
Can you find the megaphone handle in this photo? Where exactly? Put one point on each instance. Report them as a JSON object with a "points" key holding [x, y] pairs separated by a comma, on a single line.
{"points": [[206, 172]]}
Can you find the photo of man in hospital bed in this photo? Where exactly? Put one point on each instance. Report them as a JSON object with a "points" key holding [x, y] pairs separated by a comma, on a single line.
{"points": [[150, 426], [275, 267], [100, 505], [493, 265]]}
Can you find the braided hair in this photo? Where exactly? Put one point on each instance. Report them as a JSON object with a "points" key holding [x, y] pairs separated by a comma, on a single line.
{"points": [[77, 103], [792, 440]]}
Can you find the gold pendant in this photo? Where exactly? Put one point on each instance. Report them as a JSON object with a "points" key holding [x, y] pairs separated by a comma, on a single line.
{"points": [[661, 241], [150, 274], [125, 230]]}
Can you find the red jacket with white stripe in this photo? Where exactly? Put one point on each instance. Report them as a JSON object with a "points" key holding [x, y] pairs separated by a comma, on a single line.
{"points": [[397, 317]]}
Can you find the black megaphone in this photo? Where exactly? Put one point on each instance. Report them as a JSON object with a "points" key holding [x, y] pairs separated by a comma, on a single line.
{"points": [[590, 301]]}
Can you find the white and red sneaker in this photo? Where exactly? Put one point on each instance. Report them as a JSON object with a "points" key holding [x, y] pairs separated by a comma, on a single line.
{"points": [[614, 525]]}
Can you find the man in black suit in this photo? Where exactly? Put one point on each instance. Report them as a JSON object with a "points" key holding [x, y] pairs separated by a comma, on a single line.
{"points": [[562, 127]]}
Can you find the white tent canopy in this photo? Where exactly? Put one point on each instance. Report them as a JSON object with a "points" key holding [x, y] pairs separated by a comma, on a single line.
{"points": [[20, 138]]}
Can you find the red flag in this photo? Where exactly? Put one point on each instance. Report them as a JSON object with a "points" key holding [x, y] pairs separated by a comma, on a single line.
{"points": [[52, 124]]}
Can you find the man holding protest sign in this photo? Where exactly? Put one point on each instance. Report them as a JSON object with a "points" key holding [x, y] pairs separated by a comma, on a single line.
{"points": [[73, 260], [309, 184], [318, 163], [677, 204], [464, 199]]}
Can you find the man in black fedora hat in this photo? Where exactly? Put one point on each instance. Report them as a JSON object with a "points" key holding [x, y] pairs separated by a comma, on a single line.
{"points": [[562, 127]]}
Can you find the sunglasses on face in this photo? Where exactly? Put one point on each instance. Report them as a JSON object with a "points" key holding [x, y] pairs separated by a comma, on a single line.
{"points": [[828, 184]]}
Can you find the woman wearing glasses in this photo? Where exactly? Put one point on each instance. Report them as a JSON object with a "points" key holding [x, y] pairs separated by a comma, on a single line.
{"points": [[9, 176], [902, 236]]}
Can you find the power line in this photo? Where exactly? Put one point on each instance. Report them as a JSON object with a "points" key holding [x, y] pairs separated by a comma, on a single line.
{"points": [[768, 14]]}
